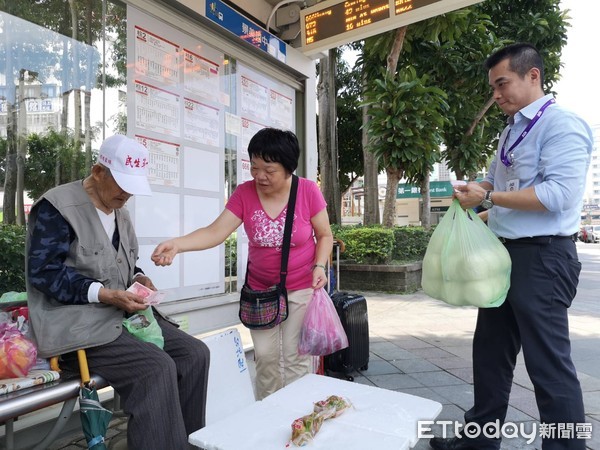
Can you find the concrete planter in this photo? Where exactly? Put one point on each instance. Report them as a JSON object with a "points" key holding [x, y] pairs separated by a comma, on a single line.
{"points": [[402, 279]]}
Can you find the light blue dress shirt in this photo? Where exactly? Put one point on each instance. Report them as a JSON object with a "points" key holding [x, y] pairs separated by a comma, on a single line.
{"points": [[554, 158]]}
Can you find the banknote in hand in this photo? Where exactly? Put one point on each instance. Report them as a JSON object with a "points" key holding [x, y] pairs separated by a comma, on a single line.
{"points": [[150, 297]]}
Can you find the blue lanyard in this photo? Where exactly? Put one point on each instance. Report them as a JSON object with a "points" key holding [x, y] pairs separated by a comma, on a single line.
{"points": [[506, 156]]}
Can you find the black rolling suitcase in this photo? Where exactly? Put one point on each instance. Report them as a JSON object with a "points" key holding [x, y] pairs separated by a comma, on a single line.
{"points": [[352, 309]]}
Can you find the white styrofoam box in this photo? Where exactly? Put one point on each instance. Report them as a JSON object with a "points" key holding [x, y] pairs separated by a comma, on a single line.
{"points": [[269, 427], [379, 418], [374, 408]]}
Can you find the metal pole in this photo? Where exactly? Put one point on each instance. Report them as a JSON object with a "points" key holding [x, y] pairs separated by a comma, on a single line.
{"points": [[22, 148]]}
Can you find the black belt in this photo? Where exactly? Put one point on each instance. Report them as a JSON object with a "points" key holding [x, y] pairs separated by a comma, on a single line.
{"points": [[539, 240]]}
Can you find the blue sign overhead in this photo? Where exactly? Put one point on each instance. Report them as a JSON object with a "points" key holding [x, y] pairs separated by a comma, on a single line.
{"points": [[231, 20]]}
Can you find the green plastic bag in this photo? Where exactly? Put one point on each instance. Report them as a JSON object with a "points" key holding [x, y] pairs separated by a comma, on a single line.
{"points": [[144, 326], [12, 296], [465, 264]]}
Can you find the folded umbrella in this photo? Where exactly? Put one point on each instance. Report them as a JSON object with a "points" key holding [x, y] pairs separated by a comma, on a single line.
{"points": [[94, 417]]}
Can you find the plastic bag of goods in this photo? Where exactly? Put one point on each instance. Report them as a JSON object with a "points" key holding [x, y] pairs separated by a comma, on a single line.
{"points": [[17, 353], [465, 264], [322, 332]]}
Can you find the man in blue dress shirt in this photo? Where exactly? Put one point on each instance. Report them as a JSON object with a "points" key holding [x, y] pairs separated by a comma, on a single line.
{"points": [[534, 193]]}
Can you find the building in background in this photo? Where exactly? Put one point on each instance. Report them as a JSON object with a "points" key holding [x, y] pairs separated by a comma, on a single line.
{"points": [[591, 201]]}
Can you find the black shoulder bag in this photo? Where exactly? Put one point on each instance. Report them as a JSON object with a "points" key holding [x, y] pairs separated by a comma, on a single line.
{"points": [[261, 310]]}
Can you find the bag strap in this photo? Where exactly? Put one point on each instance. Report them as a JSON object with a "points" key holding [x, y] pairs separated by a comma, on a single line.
{"points": [[287, 233]]}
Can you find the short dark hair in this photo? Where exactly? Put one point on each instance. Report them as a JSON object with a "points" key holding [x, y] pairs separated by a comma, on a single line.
{"points": [[274, 145], [522, 58]]}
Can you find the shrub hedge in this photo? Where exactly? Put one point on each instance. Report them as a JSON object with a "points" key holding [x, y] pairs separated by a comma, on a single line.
{"points": [[378, 245], [369, 245], [410, 243], [12, 258]]}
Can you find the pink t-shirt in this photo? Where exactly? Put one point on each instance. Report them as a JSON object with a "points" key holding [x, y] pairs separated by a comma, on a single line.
{"points": [[265, 235]]}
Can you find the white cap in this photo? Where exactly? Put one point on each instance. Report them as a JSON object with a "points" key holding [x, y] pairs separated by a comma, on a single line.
{"points": [[128, 162]]}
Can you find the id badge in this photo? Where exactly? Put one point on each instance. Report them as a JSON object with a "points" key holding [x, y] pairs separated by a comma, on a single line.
{"points": [[512, 185]]}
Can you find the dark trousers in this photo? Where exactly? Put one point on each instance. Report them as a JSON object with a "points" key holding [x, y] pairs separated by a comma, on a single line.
{"points": [[163, 392], [543, 283]]}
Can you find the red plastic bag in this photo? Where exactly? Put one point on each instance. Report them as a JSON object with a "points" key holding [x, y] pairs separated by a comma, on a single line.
{"points": [[17, 353], [322, 332]]}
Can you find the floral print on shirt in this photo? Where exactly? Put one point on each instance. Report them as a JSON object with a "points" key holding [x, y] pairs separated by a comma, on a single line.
{"points": [[269, 232]]}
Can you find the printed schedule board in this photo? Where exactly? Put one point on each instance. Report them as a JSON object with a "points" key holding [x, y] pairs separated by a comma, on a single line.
{"points": [[174, 109], [332, 23]]}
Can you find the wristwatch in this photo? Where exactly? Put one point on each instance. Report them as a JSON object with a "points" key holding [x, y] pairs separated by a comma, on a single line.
{"points": [[487, 202]]}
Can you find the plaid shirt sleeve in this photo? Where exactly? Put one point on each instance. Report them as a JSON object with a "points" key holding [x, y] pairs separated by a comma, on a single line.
{"points": [[48, 249]]}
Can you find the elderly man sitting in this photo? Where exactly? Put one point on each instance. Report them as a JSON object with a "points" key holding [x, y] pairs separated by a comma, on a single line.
{"points": [[81, 257]]}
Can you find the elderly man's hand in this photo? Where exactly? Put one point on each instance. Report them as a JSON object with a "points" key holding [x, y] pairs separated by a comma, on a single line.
{"points": [[127, 301], [145, 281]]}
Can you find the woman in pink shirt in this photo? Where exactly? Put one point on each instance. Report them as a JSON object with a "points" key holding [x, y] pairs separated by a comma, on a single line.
{"points": [[261, 205]]}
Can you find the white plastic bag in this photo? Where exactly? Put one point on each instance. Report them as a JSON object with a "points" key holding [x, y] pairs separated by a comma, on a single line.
{"points": [[465, 263], [322, 332]]}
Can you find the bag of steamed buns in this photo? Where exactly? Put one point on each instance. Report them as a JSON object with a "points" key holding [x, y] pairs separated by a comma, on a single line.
{"points": [[465, 264]]}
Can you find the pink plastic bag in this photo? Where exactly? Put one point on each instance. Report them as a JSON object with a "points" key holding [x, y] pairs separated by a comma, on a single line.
{"points": [[17, 353], [322, 332]]}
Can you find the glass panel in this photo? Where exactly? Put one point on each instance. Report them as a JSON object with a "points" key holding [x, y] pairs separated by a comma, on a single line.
{"points": [[229, 86], [54, 82]]}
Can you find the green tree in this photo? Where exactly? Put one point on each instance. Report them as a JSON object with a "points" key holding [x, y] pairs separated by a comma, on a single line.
{"points": [[43, 153], [3, 147], [407, 116], [386, 50], [370, 63], [471, 136], [427, 102], [542, 23], [349, 122], [327, 133], [12, 258], [338, 169], [450, 50], [453, 59]]}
